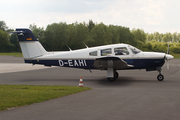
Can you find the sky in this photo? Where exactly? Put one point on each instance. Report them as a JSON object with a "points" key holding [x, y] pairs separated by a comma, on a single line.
{"points": [[150, 15]]}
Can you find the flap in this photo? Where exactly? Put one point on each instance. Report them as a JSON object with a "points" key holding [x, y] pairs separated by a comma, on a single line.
{"points": [[118, 64]]}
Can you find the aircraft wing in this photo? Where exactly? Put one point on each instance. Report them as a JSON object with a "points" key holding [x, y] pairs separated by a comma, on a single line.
{"points": [[115, 62]]}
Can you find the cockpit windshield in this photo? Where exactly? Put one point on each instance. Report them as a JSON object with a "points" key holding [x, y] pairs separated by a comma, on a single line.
{"points": [[135, 50]]}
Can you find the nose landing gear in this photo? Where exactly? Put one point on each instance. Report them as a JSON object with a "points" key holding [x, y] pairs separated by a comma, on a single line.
{"points": [[160, 77]]}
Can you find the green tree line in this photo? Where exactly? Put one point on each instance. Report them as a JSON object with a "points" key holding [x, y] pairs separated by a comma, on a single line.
{"points": [[57, 36]]}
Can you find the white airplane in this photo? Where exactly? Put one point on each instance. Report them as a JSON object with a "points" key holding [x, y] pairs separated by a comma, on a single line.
{"points": [[108, 57]]}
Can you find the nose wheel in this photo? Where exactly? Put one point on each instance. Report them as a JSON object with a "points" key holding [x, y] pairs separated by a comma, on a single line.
{"points": [[160, 77]]}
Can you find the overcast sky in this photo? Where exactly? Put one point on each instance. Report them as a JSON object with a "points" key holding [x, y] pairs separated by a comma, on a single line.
{"points": [[150, 15]]}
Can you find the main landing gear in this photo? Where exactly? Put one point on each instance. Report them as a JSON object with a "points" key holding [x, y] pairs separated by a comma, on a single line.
{"points": [[116, 75], [160, 77]]}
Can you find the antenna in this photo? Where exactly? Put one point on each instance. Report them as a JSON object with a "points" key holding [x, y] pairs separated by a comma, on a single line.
{"points": [[68, 47], [86, 45]]}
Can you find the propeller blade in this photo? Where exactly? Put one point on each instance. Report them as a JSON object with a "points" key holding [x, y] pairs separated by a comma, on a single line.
{"points": [[168, 65], [168, 57], [168, 49]]}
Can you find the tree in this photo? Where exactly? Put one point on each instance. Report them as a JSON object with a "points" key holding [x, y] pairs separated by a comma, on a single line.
{"points": [[5, 45], [156, 36], [149, 37], [174, 37], [100, 35], [139, 38], [38, 32], [56, 36], [32, 26], [80, 35], [14, 40], [91, 25], [3, 26], [115, 33], [125, 36], [139, 35], [178, 37], [167, 37]]}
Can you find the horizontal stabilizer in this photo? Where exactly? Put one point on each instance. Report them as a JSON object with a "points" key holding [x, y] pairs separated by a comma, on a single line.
{"points": [[25, 35]]}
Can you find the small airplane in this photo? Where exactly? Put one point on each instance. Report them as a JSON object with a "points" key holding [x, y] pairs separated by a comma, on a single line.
{"points": [[108, 57]]}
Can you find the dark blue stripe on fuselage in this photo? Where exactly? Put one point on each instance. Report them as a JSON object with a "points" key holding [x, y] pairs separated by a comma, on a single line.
{"points": [[89, 63], [145, 63], [80, 63]]}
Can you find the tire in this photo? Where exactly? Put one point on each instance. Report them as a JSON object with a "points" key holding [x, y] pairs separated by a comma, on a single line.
{"points": [[116, 75], [160, 77]]}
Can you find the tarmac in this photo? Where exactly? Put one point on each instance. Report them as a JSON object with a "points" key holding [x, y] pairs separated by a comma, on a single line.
{"points": [[136, 94]]}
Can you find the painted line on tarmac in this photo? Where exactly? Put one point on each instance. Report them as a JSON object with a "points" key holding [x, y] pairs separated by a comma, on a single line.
{"points": [[17, 67]]}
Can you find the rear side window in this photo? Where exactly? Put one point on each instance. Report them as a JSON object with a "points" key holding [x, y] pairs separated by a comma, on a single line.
{"points": [[105, 52], [94, 53]]}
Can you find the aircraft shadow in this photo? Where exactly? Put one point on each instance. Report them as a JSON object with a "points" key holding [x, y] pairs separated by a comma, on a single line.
{"points": [[121, 81]]}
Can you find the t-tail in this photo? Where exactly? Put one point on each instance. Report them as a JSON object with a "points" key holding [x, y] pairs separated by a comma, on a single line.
{"points": [[30, 46]]}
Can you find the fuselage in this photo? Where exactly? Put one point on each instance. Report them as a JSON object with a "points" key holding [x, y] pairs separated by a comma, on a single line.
{"points": [[85, 58]]}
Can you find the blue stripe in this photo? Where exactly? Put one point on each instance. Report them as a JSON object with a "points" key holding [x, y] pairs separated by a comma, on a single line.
{"points": [[82, 63], [145, 63], [149, 64]]}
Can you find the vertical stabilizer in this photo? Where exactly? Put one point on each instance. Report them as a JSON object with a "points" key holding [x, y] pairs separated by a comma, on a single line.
{"points": [[30, 46]]}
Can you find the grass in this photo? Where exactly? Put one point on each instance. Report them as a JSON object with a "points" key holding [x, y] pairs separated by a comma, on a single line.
{"points": [[20, 95], [15, 54], [176, 55]]}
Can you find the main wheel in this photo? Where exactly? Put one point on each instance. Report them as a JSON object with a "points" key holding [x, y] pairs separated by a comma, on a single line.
{"points": [[116, 75], [160, 77]]}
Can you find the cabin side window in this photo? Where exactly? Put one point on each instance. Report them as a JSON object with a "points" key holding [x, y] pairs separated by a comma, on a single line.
{"points": [[94, 53], [105, 52], [121, 51]]}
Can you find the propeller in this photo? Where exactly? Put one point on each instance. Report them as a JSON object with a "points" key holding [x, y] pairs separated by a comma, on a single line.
{"points": [[168, 49], [168, 57]]}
